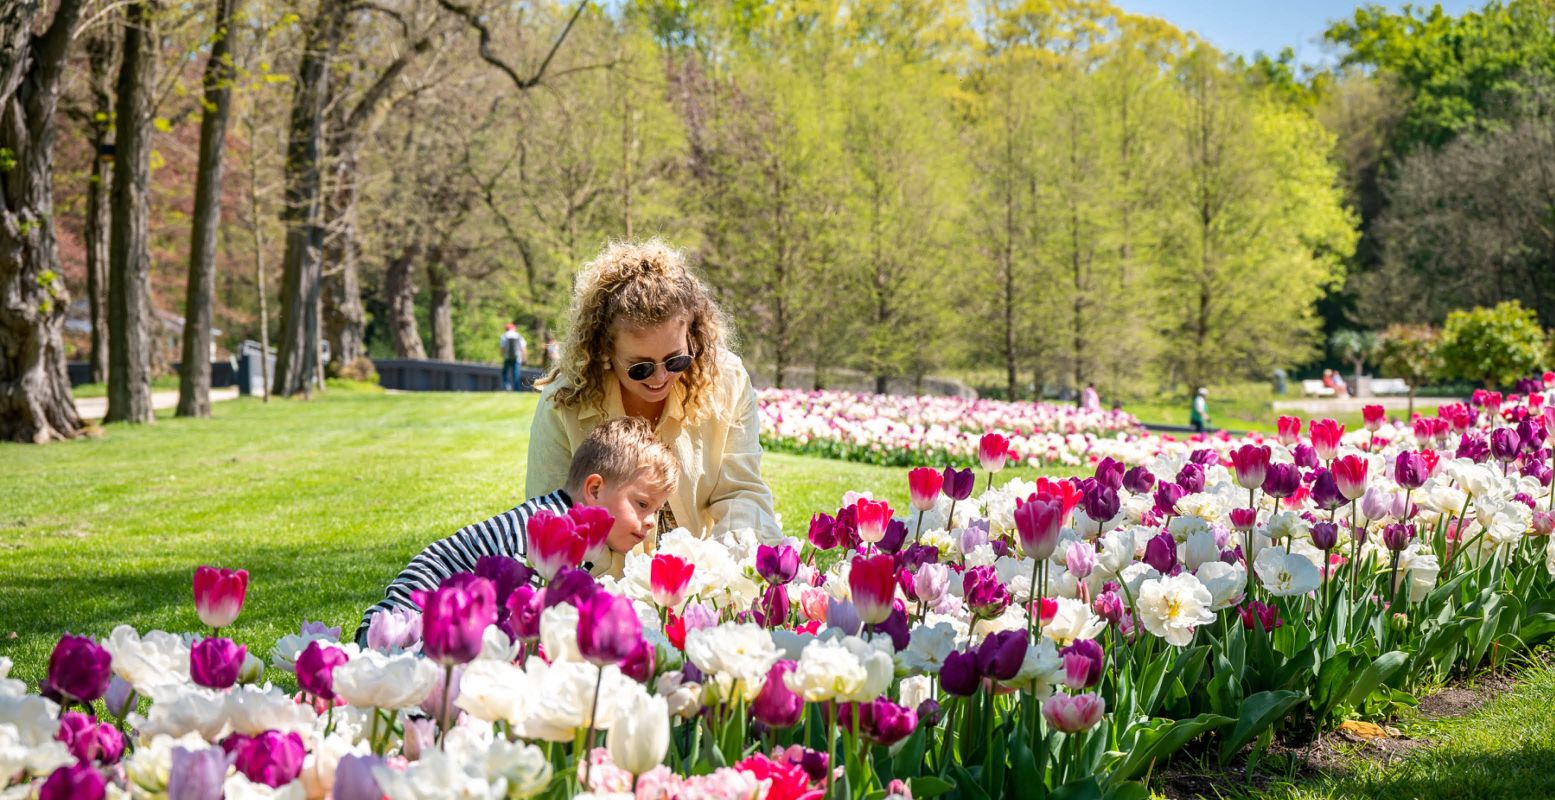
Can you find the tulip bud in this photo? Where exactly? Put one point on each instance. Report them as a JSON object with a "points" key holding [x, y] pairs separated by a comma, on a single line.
{"points": [[79, 669], [219, 594]]}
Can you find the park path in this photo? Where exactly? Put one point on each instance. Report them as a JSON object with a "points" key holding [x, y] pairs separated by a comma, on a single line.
{"points": [[95, 408]]}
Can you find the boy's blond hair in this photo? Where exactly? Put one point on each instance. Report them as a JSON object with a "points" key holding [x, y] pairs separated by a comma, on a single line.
{"points": [[621, 450]]}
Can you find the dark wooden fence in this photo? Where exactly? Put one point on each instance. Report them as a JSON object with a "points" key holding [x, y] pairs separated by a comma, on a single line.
{"points": [[447, 376]]}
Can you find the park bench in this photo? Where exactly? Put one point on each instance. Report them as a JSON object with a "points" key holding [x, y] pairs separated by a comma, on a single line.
{"points": [[1382, 386], [1315, 388]]}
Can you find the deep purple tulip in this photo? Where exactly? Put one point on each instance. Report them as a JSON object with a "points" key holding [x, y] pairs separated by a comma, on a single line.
{"points": [[76, 782], [1281, 480], [777, 565], [1409, 470], [1191, 478], [1161, 553], [1001, 654], [1325, 491], [772, 606], [1109, 473], [959, 674], [958, 483], [639, 665], [895, 626], [1530, 434], [199, 774], [895, 536], [608, 629], [1396, 536], [1539, 471], [316, 669], [1325, 536], [823, 532], [272, 758], [1305, 456], [1473, 447], [79, 669], [456, 617], [215, 663], [354, 779], [777, 705], [916, 555], [1505, 444], [1138, 480], [574, 586], [1083, 662], [930, 713], [1166, 497], [505, 574], [1100, 502], [983, 592]]}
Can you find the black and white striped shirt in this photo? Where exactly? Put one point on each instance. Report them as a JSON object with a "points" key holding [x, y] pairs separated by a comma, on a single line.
{"points": [[502, 535]]}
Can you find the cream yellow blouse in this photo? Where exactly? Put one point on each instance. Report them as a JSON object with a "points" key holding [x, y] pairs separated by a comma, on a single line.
{"points": [[720, 486]]}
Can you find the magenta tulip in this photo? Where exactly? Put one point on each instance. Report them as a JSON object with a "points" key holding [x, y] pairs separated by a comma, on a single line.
{"points": [[272, 758], [218, 595], [776, 705], [1289, 429], [777, 565], [593, 524], [78, 781], [1374, 416], [554, 543], [1251, 463], [1038, 522], [608, 629], [79, 669], [1083, 662], [456, 617], [316, 669], [89, 740], [873, 582], [215, 663]]}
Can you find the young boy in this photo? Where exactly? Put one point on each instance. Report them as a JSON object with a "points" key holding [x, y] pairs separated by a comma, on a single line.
{"points": [[620, 467]]}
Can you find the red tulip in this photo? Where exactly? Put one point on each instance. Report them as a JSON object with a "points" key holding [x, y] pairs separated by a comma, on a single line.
{"points": [[873, 581], [218, 595], [924, 483], [1374, 416], [872, 517], [554, 543], [1289, 429], [1326, 434], [992, 450], [1350, 475], [669, 577]]}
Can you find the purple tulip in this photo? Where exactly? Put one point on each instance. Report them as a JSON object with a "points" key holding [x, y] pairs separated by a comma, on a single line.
{"points": [[985, 595], [1083, 662], [199, 774], [930, 713], [772, 606], [432, 704], [608, 629], [1325, 491], [1204, 457], [1539, 471], [1396, 536], [777, 565], [958, 484], [880, 720], [574, 586], [89, 740], [398, 628], [1281, 480], [1100, 502], [319, 628], [215, 663], [1109, 606], [1191, 478], [1504, 444], [895, 626], [639, 665], [930, 583], [1473, 447], [76, 782], [354, 779], [1001, 654], [843, 615], [1038, 522], [895, 536], [1409, 470], [1325, 536], [1161, 553], [505, 574], [272, 758], [959, 675], [1305, 456], [973, 536], [524, 606], [79, 669], [456, 617], [1109, 473], [316, 669], [1166, 497], [776, 705], [1138, 480], [823, 532]]}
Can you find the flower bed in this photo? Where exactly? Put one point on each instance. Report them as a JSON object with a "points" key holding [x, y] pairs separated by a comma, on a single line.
{"points": [[1041, 637]]}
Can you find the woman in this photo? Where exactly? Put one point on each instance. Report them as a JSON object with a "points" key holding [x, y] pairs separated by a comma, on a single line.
{"points": [[645, 339]]}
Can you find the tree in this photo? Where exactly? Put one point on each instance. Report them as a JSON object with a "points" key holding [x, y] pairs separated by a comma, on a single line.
{"points": [[1492, 346], [194, 375], [1409, 352], [1354, 346], [102, 47], [35, 401]]}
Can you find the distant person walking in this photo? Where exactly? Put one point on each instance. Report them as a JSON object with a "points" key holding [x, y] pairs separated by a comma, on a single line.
{"points": [[514, 349], [1089, 399], [1199, 419]]}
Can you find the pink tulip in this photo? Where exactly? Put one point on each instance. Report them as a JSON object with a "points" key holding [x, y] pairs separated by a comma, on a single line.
{"points": [[669, 577], [992, 450], [455, 618], [873, 581], [316, 669], [872, 517], [593, 524], [1251, 463], [1374, 417], [1289, 430], [924, 483], [218, 595], [1073, 713], [1326, 434], [1350, 475], [1038, 522], [554, 544], [813, 603], [272, 758]]}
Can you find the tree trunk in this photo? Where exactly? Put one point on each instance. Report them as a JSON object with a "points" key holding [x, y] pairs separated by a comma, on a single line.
{"points": [[102, 51], [35, 402], [131, 324], [194, 379], [297, 359], [439, 278], [345, 320], [402, 302]]}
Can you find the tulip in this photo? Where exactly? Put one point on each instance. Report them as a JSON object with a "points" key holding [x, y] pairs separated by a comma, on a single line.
{"points": [[89, 740], [354, 778], [1251, 462], [571, 585], [957, 485], [1325, 536], [608, 629], [1073, 714], [524, 606], [1473, 447], [1080, 559], [895, 626], [1396, 536], [316, 669], [873, 583], [1166, 497], [398, 628], [1109, 606], [823, 532], [640, 736], [554, 543], [1350, 473], [1266, 617], [872, 516], [1326, 434], [593, 524], [776, 705], [959, 675], [199, 774], [272, 758], [1325, 491], [1138, 480], [1161, 553], [214, 663], [1191, 478], [639, 664], [1374, 416], [456, 617], [880, 720], [1243, 519], [79, 669], [1109, 473], [120, 698], [1281, 480], [1100, 503], [1505, 444], [1289, 429], [505, 573], [1083, 662], [1304, 456], [843, 615], [1001, 654], [930, 583], [992, 450], [669, 579], [985, 595], [1037, 522], [75, 782], [1410, 470], [218, 595], [1543, 523], [777, 565], [772, 606], [924, 484]]}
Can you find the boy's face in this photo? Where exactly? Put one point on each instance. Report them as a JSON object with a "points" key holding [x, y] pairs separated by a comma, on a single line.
{"points": [[634, 506]]}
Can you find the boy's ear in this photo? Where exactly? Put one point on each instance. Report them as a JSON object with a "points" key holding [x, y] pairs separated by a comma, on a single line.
{"points": [[591, 488]]}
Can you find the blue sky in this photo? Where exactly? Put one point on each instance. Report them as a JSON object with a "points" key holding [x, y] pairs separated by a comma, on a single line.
{"points": [[1244, 26]]}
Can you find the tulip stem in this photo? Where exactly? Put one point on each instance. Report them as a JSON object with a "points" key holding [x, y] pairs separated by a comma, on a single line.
{"points": [[918, 534], [588, 739], [950, 727], [442, 719], [1251, 532]]}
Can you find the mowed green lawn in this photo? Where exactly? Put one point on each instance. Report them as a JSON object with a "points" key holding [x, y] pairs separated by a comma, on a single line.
{"points": [[322, 502]]}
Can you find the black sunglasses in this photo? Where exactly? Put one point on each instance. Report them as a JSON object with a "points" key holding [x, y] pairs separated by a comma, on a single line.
{"points": [[643, 370]]}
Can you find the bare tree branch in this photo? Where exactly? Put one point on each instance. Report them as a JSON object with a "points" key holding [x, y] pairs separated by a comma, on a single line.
{"points": [[523, 84]]}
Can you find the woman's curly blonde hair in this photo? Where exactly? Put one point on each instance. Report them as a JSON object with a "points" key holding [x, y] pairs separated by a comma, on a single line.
{"points": [[640, 285]]}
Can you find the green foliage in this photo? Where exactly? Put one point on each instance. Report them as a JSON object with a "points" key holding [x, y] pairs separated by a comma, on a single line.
{"points": [[1409, 352], [1494, 346]]}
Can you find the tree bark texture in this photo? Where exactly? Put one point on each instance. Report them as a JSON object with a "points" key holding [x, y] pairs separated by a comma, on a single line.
{"points": [[401, 285], [102, 55]]}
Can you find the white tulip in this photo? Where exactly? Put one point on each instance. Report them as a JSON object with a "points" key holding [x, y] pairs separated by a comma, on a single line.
{"points": [[559, 633], [493, 690], [1286, 574], [157, 659], [1172, 607], [253, 711], [178, 710], [641, 736], [1227, 583], [379, 680]]}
